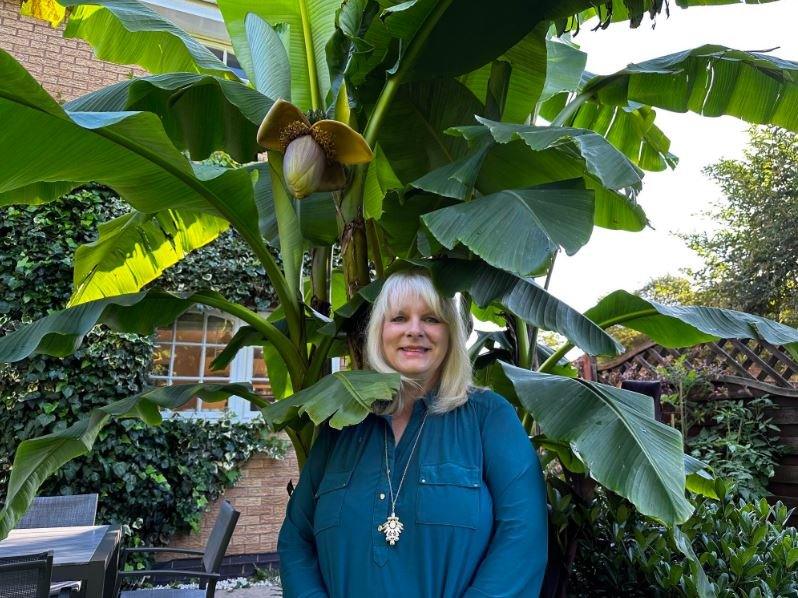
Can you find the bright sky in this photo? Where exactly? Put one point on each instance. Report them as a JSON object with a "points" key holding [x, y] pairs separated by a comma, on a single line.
{"points": [[672, 199]]}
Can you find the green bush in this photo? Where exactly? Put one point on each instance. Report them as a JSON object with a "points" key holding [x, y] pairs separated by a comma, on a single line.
{"points": [[739, 441], [744, 548], [177, 467]]}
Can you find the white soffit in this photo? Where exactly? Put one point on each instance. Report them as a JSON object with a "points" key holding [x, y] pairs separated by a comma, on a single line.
{"points": [[200, 18]]}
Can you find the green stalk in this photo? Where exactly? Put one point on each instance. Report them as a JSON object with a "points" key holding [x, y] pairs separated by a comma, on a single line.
{"points": [[318, 360], [315, 96], [570, 109], [293, 358], [374, 244]]}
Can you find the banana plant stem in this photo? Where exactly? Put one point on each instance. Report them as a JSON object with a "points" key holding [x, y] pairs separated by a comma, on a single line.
{"points": [[293, 358]]}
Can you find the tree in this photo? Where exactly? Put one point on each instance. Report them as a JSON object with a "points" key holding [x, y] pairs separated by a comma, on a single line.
{"points": [[751, 260], [484, 203]]}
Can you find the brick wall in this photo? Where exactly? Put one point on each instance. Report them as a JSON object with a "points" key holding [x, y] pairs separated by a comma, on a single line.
{"points": [[261, 497], [67, 69]]}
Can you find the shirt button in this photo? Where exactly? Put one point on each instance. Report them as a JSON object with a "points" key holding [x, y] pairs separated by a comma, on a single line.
{"points": [[382, 496]]}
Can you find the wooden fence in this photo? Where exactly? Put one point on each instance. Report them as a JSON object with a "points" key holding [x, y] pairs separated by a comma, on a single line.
{"points": [[736, 369]]}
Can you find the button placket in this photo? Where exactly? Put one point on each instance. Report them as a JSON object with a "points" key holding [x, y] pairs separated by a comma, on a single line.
{"points": [[382, 504]]}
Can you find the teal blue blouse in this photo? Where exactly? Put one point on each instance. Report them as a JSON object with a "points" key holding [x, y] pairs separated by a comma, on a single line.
{"points": [[473, 505]]}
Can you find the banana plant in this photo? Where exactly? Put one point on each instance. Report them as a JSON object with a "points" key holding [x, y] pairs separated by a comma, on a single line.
{"points": [[396, 135]]}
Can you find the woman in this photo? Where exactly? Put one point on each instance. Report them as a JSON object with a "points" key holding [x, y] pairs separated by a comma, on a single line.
{"points": [[437, 494]]}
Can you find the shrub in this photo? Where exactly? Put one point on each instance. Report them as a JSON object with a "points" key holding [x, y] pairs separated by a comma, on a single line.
{"points": [[744, 548]]}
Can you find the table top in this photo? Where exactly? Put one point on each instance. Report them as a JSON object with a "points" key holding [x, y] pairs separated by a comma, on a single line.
{"points": [[75, 544]]}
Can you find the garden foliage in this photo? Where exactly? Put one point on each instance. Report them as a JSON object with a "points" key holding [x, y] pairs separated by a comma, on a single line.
{"points": [[181, 465]]}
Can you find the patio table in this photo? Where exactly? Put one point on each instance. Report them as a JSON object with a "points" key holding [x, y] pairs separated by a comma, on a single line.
{"points": [[86, 553]]}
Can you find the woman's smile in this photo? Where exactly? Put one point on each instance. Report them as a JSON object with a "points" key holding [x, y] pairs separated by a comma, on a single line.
{"points": [[414, 339]]}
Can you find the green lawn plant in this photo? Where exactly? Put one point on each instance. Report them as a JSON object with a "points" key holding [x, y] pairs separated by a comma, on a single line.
{"points": [[489, 151]]}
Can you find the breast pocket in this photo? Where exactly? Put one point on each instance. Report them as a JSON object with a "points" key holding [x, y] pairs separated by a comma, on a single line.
{"points": [[330, 500], [448, 494]]}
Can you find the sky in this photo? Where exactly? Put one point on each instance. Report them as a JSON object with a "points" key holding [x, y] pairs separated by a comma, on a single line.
{"points": [[673, 200]]}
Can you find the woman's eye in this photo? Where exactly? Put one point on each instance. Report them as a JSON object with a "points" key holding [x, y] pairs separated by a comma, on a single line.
{"points": [[398, 319], [432, 320]]}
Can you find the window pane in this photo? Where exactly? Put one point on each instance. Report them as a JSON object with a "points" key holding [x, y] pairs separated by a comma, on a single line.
{"points": [[190, 405], [210, 355], [217, 406], [258, 365], [263, 388], [187, 360], [189, 328], [220, 331], [160, 360], [164, 334]]}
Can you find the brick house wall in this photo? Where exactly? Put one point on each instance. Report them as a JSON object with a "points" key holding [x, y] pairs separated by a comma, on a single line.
{"points": [[67, 69]]}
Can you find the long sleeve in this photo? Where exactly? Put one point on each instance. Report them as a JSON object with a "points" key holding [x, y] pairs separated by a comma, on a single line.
{"points": [[515, 562], [299, 565]]}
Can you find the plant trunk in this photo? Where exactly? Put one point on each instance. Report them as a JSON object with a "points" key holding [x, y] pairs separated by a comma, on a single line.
{"points": [[354, 250]]}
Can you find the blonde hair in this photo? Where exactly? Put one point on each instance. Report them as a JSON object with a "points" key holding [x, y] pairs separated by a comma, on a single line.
{"points": [[455, 372]]}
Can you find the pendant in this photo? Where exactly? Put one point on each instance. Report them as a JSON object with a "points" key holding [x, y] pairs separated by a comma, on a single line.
{"points": [[391, 528]]}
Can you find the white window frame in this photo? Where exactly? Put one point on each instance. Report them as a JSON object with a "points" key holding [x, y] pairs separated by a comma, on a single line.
{"points": [[241, 370]]}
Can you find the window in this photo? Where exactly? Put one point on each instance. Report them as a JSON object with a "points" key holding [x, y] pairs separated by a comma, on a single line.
{"points": [[184, 354]]}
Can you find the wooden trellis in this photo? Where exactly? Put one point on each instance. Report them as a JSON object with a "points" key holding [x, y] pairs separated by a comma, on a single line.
{"points": [[736, 369]]}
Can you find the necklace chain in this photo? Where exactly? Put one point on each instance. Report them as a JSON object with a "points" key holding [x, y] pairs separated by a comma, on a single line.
{"points": [[395, 498]]}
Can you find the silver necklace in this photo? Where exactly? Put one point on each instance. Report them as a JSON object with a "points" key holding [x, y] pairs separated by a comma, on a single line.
{"points": [[392, 526]]}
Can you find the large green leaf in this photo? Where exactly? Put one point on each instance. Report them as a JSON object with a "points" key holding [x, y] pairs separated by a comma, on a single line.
{"points": [[271, 70], [127, 151], [517, 230], [344, 397], [710, 80], [458, 42], [129, 32], [521, 296], [565, 64], [61, 332], [614, 433], [136, 248], [458, 178], [682, 326], [380, 180], [412, 135], [528, 63], [401, 220], [600, 158], [310, 24], [231, 110], [513, 164], [631, 130], [38, 458]]}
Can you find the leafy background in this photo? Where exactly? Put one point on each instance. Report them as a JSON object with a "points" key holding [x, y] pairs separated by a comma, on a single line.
{"points": [[181, 465]]}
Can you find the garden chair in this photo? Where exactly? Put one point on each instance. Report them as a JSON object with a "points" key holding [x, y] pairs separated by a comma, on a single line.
{"points": [[26, 576], [60, 511], [211, 562]]}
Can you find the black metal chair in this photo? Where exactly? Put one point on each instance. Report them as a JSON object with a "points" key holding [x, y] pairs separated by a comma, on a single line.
{"points": [[26, 576], [211, 562], [60, 511]]}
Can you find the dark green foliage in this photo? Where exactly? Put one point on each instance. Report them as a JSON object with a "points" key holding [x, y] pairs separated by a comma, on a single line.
{"points": [[739, 442], [745, 549], [752, 258], [155, 480]]}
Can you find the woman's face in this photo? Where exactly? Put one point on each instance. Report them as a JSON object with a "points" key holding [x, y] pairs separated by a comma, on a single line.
{"points": [[414, 340]]}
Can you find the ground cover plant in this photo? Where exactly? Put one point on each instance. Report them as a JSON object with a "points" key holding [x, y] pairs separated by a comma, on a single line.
{"points": [[410, 134]]}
